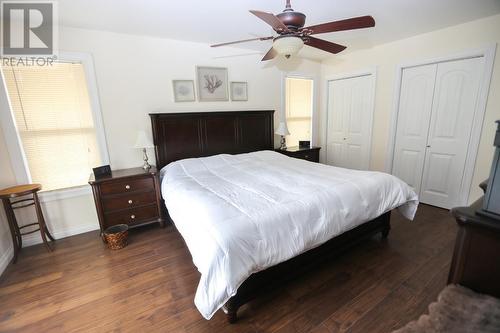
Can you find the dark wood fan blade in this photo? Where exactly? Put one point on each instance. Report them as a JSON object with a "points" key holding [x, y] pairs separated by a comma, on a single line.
{"points": [[270, 19], [324, 45], [242, 41], [348, 24], [271, 54]]}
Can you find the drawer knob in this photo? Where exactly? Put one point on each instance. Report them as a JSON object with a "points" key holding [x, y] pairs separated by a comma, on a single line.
{"points": [[132, 216], [306, 156], [130, 202], [127, 187]]}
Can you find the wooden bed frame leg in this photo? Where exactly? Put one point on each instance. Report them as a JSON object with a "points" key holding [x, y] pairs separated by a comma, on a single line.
{"points": [[231, 312], [232, 317]]}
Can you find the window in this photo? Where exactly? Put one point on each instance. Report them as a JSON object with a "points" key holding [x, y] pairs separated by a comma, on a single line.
{"points": [[299, 106], [52, 112]]}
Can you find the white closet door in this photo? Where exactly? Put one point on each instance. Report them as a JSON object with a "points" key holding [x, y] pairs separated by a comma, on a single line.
{"points": [[350, 108], [338, 98], [455, 97], [415, 106]]}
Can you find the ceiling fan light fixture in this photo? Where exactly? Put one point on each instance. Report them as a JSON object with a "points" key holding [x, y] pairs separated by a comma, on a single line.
{"points": [[292, 35], [288, 45]]}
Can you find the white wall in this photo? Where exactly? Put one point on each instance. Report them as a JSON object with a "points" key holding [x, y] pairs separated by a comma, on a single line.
{"points": [[7, 178], [387, 57], [134, 75]]}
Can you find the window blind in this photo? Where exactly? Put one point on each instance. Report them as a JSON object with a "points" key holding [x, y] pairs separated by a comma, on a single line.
{"points": [[54, 120], [299, 98]]}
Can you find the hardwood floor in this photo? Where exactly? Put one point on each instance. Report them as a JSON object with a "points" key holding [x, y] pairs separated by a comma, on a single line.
{"points": [[149, 286]]}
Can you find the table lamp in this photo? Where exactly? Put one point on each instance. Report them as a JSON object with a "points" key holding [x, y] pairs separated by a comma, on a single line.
{"points": [[143, 142], [283, 131]]}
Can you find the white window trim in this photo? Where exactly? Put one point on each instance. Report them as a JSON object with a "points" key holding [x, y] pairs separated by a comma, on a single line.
{"points": [[314, 118], [14, 145]]}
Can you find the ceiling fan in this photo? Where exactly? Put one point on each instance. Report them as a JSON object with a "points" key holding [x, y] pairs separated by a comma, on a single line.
{"points": [[292, 35]]}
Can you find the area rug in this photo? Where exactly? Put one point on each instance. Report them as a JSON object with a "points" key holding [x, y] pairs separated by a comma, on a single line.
{"points": [[458, 310]]}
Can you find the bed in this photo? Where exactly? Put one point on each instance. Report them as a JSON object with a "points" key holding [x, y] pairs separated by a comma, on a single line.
{"points": [[252, 217]]}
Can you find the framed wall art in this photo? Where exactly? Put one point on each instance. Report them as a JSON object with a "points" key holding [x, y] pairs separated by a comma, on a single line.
{"points": [[212, 84], [183, 90], [239, 91]]}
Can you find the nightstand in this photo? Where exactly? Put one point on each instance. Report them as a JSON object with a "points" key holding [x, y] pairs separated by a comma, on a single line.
{"points": [[129, 196], [308, 153]]}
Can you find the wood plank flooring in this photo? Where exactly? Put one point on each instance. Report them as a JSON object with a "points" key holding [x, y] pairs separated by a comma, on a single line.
{"points": [[149, 286]]}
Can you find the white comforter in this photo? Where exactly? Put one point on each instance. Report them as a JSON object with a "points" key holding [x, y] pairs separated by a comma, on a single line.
{"points": [[240, 214]]}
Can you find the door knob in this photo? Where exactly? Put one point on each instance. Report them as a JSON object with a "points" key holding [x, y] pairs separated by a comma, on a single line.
{"points": [[428, 146]]}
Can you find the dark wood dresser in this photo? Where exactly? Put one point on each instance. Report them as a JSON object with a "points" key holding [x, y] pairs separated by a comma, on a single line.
{"points": [[476, 260], [129, 196], [307, 153]]}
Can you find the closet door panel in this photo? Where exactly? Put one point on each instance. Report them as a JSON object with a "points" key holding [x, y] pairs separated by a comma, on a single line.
{"points": [[358, 126], [338, 102], [349, 122], [408, 170], [455, 98], [414, 114]]}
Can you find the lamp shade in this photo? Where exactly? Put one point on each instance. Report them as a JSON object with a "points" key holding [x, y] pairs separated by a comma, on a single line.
{"points": [[282, 129], [288, 45], [143, 141]]}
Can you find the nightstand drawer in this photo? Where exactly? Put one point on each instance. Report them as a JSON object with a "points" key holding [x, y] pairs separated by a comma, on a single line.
{"points": [[128, 200], [312, 155], [125, 186], [132, 216]]}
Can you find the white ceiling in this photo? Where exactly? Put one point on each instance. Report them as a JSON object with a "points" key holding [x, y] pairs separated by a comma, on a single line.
{"points": [[213, 21]]}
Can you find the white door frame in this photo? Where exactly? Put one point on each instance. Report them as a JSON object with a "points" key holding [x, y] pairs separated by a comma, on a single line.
{"points": [[488, 52], [314, 115], [372, 71]]}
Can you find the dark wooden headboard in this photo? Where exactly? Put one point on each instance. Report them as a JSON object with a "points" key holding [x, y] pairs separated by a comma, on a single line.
{"points": [[195, 134]]}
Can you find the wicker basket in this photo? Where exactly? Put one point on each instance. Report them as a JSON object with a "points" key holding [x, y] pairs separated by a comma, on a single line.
{"points": [[116, 236]]}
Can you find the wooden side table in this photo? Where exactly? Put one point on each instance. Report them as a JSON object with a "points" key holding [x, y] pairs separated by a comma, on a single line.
{"points": [[15, 230], [128, 196]]}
